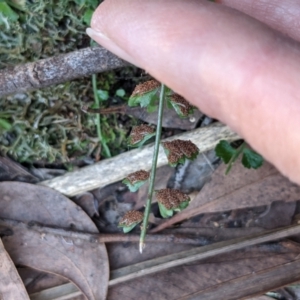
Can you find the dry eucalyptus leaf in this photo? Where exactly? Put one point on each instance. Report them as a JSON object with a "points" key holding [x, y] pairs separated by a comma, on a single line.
{"points": [[11, 170], [11, 285], [75, 259], [86, 264], [88, 203], [241, 188], [212, 273]]}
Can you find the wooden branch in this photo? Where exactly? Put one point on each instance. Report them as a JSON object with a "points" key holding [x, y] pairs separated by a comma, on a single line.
{"points": [[117, 168], [57, 69], [7, 224]]}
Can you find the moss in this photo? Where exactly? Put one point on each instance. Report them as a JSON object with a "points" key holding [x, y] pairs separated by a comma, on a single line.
{"points": [[43, 29], [48, 125]]}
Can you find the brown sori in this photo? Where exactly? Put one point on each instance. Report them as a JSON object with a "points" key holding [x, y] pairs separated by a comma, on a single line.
{"points": [[145, 87], [140, 175], [179, 149], [184, 106], [138, 133], [131, 217], [171, 198]]}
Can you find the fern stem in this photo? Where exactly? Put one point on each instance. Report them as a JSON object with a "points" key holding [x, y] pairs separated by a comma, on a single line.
{"points": [[153, 169], [98, 120]]}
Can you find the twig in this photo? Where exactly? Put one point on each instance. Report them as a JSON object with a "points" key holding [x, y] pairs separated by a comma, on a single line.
{"points": [[57, 69], [100, 237], [117, 109], [117, 168], [153, 169]]}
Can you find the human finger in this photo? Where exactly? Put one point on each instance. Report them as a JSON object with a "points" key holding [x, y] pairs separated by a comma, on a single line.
{"points": [[283, 16], [233, 67]]}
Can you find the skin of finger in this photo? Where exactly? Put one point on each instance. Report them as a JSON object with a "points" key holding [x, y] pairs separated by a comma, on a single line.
{"points": [[283, 16], [233, 67]]}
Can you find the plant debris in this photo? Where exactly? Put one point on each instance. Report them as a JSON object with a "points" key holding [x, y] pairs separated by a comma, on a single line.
{"points": [[171, 198], [140, 134], [179, 150], [145, 87], [135, 180], [181, 106], [140, 175], [130, 220], [131, 217]]}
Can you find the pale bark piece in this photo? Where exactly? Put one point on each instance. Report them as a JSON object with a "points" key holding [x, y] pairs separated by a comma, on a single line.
{"points": [[117, 168], [11, 285], [241, 188], [57, 69], [31, 203]]}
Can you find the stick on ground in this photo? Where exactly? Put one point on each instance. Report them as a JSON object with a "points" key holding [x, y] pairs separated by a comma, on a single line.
{"points": [[117, 168], [57, 69]]}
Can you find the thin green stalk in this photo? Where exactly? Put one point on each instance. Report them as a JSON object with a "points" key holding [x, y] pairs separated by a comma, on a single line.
{"points": [[98, 121], [153, 170], [234, 157]]}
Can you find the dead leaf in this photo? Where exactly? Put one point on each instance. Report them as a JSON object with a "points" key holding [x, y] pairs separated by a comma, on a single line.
{"points": [[211, 273], [86, 264], [11, 285], [170, 119], [12, 171], [251, 284], [261, 298], [88, 203], [241, 188], [36, 281]]}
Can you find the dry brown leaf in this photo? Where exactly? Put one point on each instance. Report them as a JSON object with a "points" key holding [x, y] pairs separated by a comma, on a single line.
{"points": [[170, 119], [211, 273], [88, 203], [12, 171], [84, 263], [241, 188], [11, 285], [251, 284]]}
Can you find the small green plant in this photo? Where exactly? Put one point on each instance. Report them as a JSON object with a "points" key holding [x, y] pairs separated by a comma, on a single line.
{"points": [[229, 155], [130, 220], [170, 201], [140, 135], [135, 180], [153, 95]]}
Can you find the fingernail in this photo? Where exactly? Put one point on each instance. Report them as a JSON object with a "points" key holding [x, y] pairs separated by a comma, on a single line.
{"points": [[107, 43]]}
